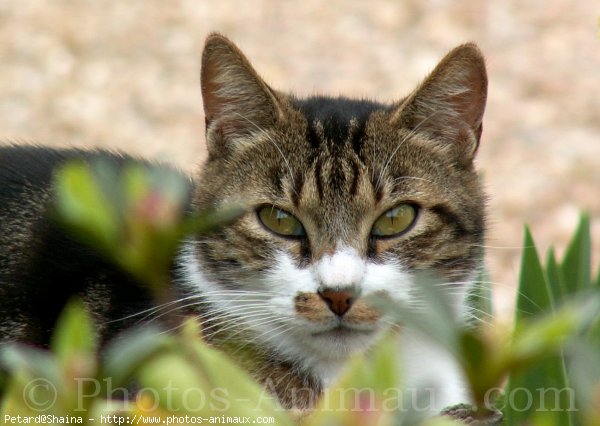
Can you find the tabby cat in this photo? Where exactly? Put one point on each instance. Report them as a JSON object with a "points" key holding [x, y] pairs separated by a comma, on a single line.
{"points": [[349, 198]]}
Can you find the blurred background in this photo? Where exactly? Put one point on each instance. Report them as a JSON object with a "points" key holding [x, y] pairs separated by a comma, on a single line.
{"points": [[125, 75]]}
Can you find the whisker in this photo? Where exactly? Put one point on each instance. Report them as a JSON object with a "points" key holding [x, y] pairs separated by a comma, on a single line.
{"points": [[266, 315], [203, 295], [250, 326], [286, 327], [187, 305]]}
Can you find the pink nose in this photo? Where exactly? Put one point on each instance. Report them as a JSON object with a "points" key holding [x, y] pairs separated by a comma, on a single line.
{"points": [[339, 302]]}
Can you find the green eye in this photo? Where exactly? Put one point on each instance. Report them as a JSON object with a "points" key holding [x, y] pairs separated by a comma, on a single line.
{"points": [[394, 221], [280, 222]]}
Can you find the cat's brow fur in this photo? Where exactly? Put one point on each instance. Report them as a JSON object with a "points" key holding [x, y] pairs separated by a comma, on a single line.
{"points": [[336, 164]]}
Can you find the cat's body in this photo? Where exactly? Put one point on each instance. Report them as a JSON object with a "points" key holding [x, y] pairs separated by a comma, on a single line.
{"points": [[348, 198], [41, 265]]}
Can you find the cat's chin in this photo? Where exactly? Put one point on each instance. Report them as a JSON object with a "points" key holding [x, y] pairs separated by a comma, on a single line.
{"points": [[337, 343]]}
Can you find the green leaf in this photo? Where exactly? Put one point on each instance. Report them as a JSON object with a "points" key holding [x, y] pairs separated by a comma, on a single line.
{"points": [[133, 214], [368, 392], [546, 333], [584, 373], [534, 292], [442, 421], [74, 335], [36, 382], [82, 205], [555, 279], [438, 322], [576, 265], [33, 361], [534, 297], [535, 361], [196, 379], [131, 349], [3, 380], [210, 219]]}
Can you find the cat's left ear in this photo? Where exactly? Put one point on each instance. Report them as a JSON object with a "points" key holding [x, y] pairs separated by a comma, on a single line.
{"points": [[449, 105], [237, 102]]}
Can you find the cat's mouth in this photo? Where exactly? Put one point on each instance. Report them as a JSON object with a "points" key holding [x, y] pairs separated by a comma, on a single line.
{"points": [[342, 331]]}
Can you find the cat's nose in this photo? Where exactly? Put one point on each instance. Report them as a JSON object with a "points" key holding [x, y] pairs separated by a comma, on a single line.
{"points": [[339, 301]]}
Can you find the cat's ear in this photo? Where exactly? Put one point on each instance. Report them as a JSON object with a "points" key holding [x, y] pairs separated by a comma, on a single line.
{"points": [[237, 102], [449, 105]]}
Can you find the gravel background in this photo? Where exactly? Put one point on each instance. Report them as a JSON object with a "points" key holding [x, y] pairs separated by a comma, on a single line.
{"points": [[125, 75]]}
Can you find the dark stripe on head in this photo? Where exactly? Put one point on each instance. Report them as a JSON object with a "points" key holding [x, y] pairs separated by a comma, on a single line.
{"points": [[355, 176], [372, 250], [337, 177], [297, 188], [312, 135], [275, 178], [451, 219], [377, 184], [305, 252], [318, 181], [357, 137], [337, 116]]}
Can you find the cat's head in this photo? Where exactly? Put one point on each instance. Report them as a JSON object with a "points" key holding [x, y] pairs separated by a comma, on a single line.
{"points": [[348, 198]]}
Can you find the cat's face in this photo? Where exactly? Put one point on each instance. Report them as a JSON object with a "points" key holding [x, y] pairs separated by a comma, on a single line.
{"points": [[347, 199]]}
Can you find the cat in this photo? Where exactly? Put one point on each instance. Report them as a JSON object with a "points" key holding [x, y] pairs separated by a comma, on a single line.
{"points": [[349, 198]]}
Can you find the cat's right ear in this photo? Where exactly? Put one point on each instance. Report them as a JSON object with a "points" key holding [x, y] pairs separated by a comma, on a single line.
{"points": [[449, 105], [237, 102]]}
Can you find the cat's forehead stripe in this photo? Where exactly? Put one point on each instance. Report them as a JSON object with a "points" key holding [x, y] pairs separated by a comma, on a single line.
{"points": [[353, 131], [336, 121]]}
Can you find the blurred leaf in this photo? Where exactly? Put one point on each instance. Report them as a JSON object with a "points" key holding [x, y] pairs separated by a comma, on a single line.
{"points": [[442, 421], [74, 335], [81, 203], [546, 333], [199, 380], [37, 362], [131, 349], [368, 392], [171, 377], [438, 322], [3, 379], [576, 265], [207, 220], [35, 384], [134, 214], [475, 360], [538, 379], [584, 373]]}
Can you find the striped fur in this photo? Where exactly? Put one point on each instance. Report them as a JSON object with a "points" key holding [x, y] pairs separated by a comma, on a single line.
{"points": [[336, 164]]}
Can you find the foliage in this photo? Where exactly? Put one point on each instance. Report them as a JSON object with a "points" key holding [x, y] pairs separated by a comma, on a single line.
{"points": [[135, 217], [544, 289]]}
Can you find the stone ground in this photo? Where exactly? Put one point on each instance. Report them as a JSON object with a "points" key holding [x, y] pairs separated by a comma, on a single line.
{"points": [[124, 75]]}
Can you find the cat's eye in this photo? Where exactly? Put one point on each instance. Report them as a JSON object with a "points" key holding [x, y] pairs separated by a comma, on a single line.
{"points": [[395, 221], [280, 222]]}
